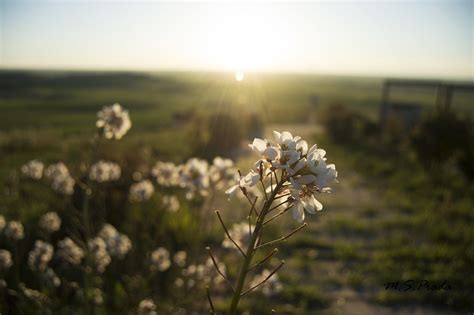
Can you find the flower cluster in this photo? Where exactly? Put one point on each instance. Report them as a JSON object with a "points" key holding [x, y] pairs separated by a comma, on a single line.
{"points": [[222, 172], [141, 191], [61, 180], [33, 169], [114, 121], [304, 170], [70, 252], [50, 222], [160, 259], [104, 171], [118, 244], [195, 177], [99, 255], [5, 259], [40, 256], [146, 307], [14, 230], [166, 174], [171, 203]]}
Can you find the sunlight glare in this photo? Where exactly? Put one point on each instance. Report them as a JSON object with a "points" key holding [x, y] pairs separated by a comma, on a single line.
{"points": [[239, 75]]}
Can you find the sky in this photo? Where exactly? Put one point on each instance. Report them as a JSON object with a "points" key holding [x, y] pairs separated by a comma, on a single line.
{"points": [[398, 38]]}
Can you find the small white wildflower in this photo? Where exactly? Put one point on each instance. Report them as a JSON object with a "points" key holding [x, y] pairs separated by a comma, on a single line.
{"points": [[104, 171], [40, 256], [50, 222], [33, 169], [166, 174], [97, 296], [118, 244], [62, 182], [222, 172], [56, 170], [160, 259], [147, 307], [179, 258], [70, 252], [98, 252], [5, 259], [114, 121], [141, 191], [195, 177], [14, 230], [171, 203]]}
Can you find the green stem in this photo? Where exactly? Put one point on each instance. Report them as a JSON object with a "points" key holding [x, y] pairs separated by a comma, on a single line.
{"points": [[251, 250]]}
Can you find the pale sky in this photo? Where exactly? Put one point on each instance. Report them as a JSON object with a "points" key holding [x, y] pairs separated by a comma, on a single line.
{"points": [[401, 38]]}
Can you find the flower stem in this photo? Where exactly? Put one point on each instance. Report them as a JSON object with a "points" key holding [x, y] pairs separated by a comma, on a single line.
{"points": [[251, 250]]}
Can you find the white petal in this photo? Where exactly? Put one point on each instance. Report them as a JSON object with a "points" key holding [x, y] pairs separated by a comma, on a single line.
{"points": [[277, 136], [306, 179], [298, 212], [271, 153], [303, 146], [259, 145]]}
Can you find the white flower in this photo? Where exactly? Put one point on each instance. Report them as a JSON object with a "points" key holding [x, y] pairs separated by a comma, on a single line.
{"points": [[171, 203], [247, 181], [222, 172], [33, 169], [62, 182], [141, 191], [56, 170], [40, 256], [147, 307], [98, 252], [264, 149], [240, 233], [5, 259], [195, 178], [50, 222], [70, 252], [179, 258], [166, 174], [104, 171], [118, 244], [14, 230], [160, 259], [271, 286], [114, 121], [97, 296]]}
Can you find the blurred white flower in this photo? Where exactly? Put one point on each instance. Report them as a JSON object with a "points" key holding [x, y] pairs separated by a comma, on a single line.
{"points": [[5, 259], [141, 191], [56, 170], [222, 172], [147, 307], [70, 252], [160, 259], [271, 286], [179, 258], [50, 222], [14, 230], [99, 255], [171, 203], [33, 169], [40, 256], [166, 174], [97, 296], [62, 182], [104, 171], [118, 244], [240, 233], [114, 121], [195, 177]]}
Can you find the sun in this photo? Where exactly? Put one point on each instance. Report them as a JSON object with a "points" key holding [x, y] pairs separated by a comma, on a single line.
{"points": [[239, 75]]}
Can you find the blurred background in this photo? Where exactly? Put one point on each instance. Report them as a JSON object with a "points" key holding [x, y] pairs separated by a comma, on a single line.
{"points": [[387, 88]]}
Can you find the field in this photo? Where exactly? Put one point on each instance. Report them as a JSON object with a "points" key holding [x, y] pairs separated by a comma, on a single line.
{"points": [[392, 217]]}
